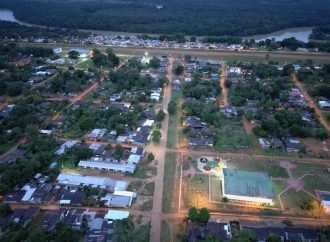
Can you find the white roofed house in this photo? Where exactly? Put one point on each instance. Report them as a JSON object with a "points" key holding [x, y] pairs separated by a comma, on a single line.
{"points": [[67, 145], [96, 134], [93, 181], [119, 199], [155, 96]]}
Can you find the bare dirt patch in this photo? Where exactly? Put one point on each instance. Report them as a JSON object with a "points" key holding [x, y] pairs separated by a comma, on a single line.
{"points": [[295, 184], [316, 146]]}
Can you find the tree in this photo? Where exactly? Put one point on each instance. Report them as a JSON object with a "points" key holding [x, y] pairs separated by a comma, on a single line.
{"points": [[151, 157], [193, 214], [156, 135], [64, 233], [113, 59], [118, 152], [212, 238], [179, 70], [123, 231], [172, 107], [100, 59], [73, 54], [160, 115], [4, 209], [273, 238], [288, 70], [154, 63], [204, 215]]}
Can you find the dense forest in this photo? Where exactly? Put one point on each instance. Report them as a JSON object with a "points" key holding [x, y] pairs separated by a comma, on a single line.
{"points": [[194, 17]]}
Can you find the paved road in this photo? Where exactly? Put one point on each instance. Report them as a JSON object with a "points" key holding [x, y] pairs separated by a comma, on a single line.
{"points": [[311, 102], [160, 152]]}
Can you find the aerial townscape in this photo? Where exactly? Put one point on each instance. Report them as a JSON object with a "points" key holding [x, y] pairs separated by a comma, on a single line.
{"points": [[164, 121]]}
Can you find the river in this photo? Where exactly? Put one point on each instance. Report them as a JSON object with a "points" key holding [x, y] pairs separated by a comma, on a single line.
{"points": [[301, 34]]}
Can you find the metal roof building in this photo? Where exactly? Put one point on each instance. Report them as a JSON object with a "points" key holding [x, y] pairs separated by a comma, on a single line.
{"points": [[247, 186], [94, 181], [109, 166]]}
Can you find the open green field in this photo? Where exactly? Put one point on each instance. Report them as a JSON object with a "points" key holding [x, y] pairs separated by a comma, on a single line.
{"points": [[309, 168], [318, 181], [173, 123], [196, 191], [169, 180], [292, 201], [215, 189], [278, 186], [232, 136], [165, 234]]}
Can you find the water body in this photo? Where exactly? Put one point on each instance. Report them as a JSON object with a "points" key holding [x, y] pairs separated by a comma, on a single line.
{"points": [[8, 15], [301, 34]]}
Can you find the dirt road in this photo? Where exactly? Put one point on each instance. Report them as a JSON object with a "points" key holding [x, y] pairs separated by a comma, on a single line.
{"points": [[224, 90], [311, 103], [160, 152]]}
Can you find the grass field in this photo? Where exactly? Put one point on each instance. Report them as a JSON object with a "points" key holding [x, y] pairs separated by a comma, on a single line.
{"points": [[232, 136], [317, 182], [196, 191], [173, 122], [165, 234], [216, 189], [293, 200], [169, 179], [279, 186], [303, 168], [149, 189]]}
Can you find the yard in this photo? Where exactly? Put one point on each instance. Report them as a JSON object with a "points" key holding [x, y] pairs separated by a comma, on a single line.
{"points": [[231, 136]]}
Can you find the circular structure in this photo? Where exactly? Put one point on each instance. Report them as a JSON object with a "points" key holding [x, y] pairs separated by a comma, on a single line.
{"points": [[203, 160], [207, 168]]}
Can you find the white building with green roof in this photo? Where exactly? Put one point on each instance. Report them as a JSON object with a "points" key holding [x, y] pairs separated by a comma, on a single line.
{"points": [[247, 186]]}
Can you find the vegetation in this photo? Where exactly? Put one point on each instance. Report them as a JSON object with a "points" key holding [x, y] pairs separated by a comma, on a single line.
{"points": [[185, 17], [10, 30], [125, 230]]}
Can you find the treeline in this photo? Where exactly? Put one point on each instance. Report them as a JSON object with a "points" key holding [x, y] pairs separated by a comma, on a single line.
{"points": [[9, 30], [321, 33], [200, 18]]}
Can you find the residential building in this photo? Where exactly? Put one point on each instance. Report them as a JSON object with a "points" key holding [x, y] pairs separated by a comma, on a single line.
{"points": [[67, 145], [264, 143], [96, 134], [292, 145]]}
